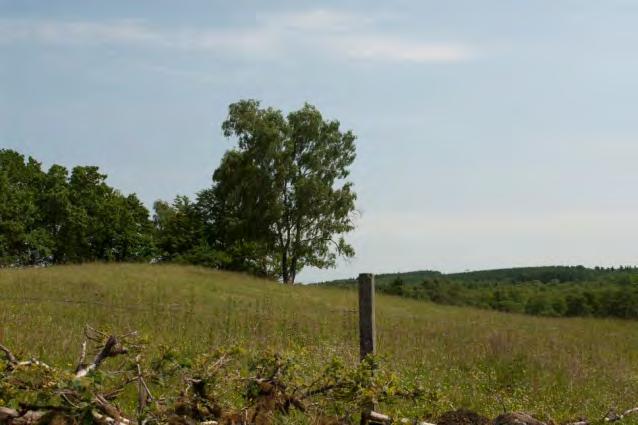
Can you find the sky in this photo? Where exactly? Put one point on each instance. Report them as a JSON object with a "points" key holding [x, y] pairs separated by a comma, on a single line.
{"points": [[490, 134]]}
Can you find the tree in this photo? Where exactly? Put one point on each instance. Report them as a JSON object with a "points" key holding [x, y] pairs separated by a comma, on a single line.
{"points": [[282, 201], [22, 239], [178, 226], [182, 233], [56, 218], [396, 287]]}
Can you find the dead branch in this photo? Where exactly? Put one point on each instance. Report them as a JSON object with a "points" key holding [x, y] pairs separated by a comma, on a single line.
{"points": [[29, 417], [110, 413], [377, 417], [9, 355], [33, 362], [13, 361], [6, 414], [82, 357], [143, 393], [111, 348], [613, 416], [103, 411], [107, 419]]}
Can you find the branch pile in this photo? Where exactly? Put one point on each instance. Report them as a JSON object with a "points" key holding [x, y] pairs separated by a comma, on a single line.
{"points": [[110, 386]]}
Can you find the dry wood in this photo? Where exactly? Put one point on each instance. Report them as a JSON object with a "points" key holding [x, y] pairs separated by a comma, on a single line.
{"points": [[13, 361], [111, 348], [6, 414], [109, 410], [9, 355], [144, 395], [104, 411], [107, 419], [29, 417], [377, 417], [613, 416]]}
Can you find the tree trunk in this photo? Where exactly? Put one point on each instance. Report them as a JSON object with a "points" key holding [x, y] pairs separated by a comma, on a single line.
{"points": [[293, 269], [285, 273]]}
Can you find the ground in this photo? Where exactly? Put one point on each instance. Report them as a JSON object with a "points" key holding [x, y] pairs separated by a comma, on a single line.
{"points": [[485, 361]]}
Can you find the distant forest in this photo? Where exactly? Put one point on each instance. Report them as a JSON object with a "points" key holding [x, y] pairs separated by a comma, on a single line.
{"points": [[543, 291]]}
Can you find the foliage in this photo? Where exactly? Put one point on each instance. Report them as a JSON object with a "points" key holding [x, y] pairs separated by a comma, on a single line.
{"points": [[281, 199], [230, 385], [541, 291], [51, 217], [183, 234]]}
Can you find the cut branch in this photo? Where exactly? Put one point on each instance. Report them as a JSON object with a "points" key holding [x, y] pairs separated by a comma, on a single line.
{"points": [[9, 355], [612, 416], [111, 348]]}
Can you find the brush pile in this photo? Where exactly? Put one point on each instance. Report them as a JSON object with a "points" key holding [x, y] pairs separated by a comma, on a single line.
{"points": [[113, 383], [231, 386]]}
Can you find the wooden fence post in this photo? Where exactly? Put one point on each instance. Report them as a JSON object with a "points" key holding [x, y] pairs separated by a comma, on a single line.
{"points": [[367, 331], [367, 328]]}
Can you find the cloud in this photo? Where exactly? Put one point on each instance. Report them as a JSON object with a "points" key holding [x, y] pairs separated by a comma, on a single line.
{"points": [[399, 50], [332, 33], [129, 33], [316, 20], [76, 32]]}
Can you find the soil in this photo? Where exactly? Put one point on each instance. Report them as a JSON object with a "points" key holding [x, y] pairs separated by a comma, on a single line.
{"points": [[462, 417]]}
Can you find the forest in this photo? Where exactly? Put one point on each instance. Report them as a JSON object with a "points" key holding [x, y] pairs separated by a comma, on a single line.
{"points": [[553, 291]]}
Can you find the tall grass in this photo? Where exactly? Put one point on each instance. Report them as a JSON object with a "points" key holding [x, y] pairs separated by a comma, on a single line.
{"points": [[487, 361]]}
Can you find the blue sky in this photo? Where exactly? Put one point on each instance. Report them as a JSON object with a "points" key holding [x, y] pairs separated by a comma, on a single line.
{"points": [[491, 134]]}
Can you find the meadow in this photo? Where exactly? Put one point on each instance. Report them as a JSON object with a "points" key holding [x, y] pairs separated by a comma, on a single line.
{"points": [[487, 361]]}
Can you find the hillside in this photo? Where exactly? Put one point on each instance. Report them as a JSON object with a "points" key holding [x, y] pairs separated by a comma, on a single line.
{"points": [[463, 357], [542, 291]]}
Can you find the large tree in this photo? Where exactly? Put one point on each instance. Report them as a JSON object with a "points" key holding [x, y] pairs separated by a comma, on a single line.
{"points": [[281, 199]]}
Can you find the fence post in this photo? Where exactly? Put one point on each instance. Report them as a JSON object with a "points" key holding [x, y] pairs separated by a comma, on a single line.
{"points": [[367, 327], [367, 331]]}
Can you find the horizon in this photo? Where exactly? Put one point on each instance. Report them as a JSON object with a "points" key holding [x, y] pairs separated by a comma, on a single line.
{"points": [[615, 268], [490, 135]]}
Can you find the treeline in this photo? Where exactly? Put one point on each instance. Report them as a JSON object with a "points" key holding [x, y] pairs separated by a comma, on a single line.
{"points": [[279, 202], [608, 292], [57, 216], [544, 274]]}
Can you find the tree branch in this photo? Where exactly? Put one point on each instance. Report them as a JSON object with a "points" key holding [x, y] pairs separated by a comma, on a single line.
{"points": [[111, 348], [9, 355]]}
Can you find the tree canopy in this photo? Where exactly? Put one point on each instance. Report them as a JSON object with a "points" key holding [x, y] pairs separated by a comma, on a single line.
{"points": [[54, 217], [281, 198]]}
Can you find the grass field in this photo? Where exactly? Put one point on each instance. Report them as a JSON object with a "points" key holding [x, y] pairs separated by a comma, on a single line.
{"points": [[487, 361]]}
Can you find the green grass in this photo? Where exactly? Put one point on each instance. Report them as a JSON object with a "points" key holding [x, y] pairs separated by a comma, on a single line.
{"points": [[483, 360]]}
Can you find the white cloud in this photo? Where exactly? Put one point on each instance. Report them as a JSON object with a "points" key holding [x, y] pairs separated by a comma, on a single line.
{"points": [[318, 20], [76, 32], [399, 50], [329, 32], [130, 33]]}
